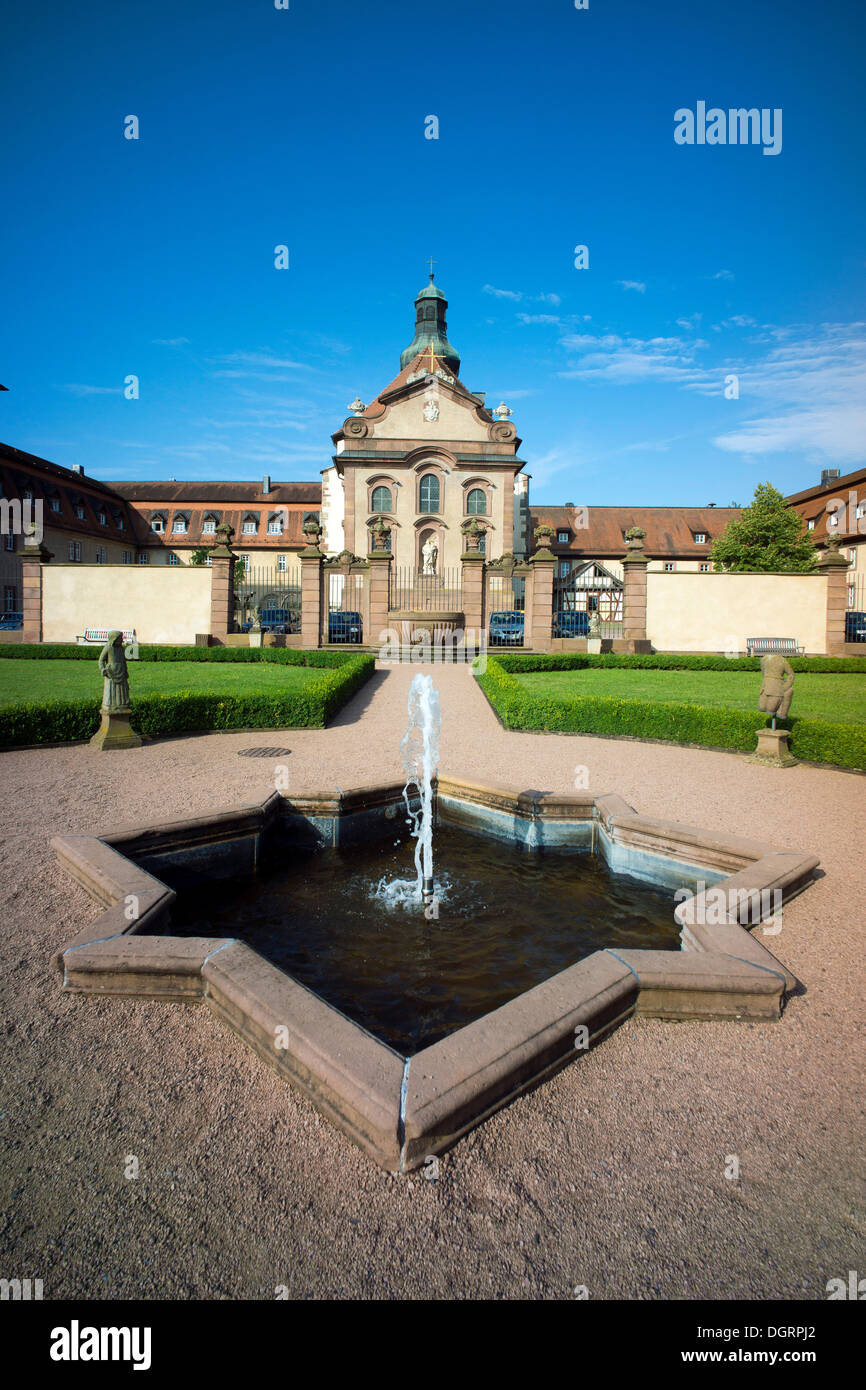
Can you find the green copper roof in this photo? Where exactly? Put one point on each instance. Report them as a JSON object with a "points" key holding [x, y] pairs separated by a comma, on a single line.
{"points": [[431, 331], [430, 291]]}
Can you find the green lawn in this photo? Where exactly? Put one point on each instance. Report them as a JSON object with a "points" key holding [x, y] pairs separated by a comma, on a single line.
{"points": [[838, 698], [69, 680]]}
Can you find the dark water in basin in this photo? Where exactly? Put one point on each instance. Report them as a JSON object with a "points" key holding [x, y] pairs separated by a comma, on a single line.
{"points": [[508, 918]]}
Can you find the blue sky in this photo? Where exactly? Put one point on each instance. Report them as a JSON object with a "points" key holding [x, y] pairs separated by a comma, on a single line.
{"points": [[305, 127]]}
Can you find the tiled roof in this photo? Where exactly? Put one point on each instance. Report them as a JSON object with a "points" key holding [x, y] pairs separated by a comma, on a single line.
{"points": [[812, 506], [159, 493], [193, 536], [670, 531]]}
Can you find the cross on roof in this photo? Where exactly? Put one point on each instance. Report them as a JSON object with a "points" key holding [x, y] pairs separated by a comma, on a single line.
{"points": [[434, 358], [431, 263]]}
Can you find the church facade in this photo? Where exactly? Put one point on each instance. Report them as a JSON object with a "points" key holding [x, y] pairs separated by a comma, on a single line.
{"points": [[429, 458]]}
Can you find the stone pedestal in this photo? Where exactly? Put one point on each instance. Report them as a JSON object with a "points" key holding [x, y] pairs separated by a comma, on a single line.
{"points": [[634, 568], [593, 644], [539, 602], [772, 749], [835, 566], [379, 590], [114, 731]]}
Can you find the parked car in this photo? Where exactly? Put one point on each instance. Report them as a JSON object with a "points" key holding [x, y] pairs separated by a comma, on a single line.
{"points": [[506, 629], [344, 627], [855, 627], [279, 620], [569, 623], [10, 622]]}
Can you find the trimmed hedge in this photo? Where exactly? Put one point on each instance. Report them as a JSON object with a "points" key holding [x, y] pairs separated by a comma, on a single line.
{"points": [[843, 745], [673, 661], [285, 656], [68, 721]]}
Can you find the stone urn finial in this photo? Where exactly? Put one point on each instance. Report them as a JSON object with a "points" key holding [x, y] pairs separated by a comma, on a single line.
{"points": [[224, 540], [502, 411], [834, 543], [357, 407], [473, 533], [313, 532], [635, 537], [381, 531], [543, 537]]}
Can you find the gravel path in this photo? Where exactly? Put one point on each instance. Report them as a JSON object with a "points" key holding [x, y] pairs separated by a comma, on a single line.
{"points": [[611, 1176]]}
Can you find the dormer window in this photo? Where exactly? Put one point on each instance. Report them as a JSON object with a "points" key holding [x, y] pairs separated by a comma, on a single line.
{"points": [[103, 518], [208, 526], [700, 537], [810, 524], [157, 524], [79, 510], [562, 537], [54, 503], [249, 526], [121, 524], [275, 526], [833, 520], [179, 526]]}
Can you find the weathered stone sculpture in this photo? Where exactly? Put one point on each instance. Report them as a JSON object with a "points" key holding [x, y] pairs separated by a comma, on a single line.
{"points": [[429, 556], [777, 686], [114, 730], [777, 689]]}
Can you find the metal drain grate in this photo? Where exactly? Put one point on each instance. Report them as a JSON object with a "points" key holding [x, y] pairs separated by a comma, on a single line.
{"points": [[263, 752]]}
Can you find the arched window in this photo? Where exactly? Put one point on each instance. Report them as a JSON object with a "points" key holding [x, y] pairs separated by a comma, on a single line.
{"points": [[381, 499], [428, 497], [482, 543], [476, 502], [430, 311]]}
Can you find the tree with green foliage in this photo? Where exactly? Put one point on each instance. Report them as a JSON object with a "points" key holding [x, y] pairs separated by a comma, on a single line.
{"points": [[769, 537], [200, 554]]}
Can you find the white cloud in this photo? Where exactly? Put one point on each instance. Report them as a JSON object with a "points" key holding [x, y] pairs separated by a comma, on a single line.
{"points": [[78, 389], [258, 364], [633, 285], [723, 275], [517, 295], [170, 342], [503, 294], [538, 318]]}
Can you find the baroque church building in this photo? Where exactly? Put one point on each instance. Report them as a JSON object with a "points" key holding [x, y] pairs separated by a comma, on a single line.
{"points": [[428, 457]]}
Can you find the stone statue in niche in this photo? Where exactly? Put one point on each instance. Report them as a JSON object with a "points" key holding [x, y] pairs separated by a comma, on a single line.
{"points": [[777, 686], [429, 556]]}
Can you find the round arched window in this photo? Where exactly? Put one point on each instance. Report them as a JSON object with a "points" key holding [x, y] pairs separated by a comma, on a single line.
{"points": [[381, 500], [476, 502], [428, 497]]}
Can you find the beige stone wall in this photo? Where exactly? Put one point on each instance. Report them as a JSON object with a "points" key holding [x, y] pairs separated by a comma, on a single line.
{"points": [[446, 523], [455, 422], [163, 604], [688, 612]]}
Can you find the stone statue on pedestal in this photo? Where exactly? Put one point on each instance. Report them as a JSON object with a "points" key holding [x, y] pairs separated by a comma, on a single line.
{"points": [[777, 688], [112, 667], [114, 729]]}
